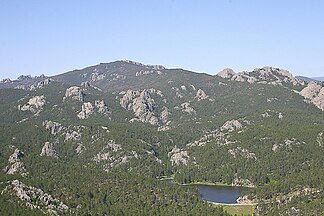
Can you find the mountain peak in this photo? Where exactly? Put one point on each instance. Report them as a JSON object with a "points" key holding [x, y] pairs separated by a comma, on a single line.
{"points": [[156, 67]]}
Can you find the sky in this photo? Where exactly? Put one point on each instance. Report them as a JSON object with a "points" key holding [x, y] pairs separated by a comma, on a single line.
{"points": [[51, 37]]}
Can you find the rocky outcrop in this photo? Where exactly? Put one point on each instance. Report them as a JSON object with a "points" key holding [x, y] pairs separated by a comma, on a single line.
{"points": [[97, 77], [80, 148], [266, 75], [319, 139], [242, 153], [116, 76], [287, 144], [40, 84], [185, 107], [201, 95], [86, 110], [73, 93], [101, 107], [147, 72], [15, 164], [34, 105], [72, 135], [242, 182], [142, 104], [244, 200], [155, 67], [178, 157], [227, 73], [231, 125], [36, 198], [53, 127], [6, 80], [314, 93], [48, 150]]}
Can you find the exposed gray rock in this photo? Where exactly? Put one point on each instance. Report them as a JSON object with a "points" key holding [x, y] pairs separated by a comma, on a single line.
{"points": [[231, 125], [266, 75], [97, 77], [15, 164], [74, 93], [54, 127], [85, 85], [34, 105], [201, 95], [178, 156], [86, 111], [72, 135], [314, 93], [227, 73], [287, 143], [6, 80], [116, 76], [101, 106], [142, 104], [164, 117], [80, 148], [242, 182], [319, 139], [185, 107], [238, 151], [40, 84], [48, 150], [35, 198]]}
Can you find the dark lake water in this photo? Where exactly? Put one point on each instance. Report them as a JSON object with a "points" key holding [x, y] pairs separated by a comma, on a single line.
{"points": [[218, 194]]}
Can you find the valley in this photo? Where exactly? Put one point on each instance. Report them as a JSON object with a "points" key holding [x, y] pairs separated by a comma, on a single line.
{"points": [[97, 141]]}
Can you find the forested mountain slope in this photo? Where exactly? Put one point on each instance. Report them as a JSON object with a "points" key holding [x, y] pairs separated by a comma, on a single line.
{"points": [[98, 140]]}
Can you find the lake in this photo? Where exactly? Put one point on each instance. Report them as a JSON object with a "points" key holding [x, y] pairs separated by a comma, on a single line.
{"points": [[216, 193]]}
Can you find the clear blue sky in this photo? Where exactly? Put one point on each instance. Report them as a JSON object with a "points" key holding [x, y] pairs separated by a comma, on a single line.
{"points": [[51, 37]]}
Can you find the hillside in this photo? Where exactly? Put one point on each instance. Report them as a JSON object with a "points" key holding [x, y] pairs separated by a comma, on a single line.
{"points": [[97, 140]]}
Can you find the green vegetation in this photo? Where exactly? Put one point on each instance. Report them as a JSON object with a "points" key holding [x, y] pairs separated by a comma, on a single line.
{"points": [[281, 157]]}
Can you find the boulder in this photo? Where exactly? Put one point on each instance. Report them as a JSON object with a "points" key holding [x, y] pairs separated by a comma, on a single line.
{"points": [[48, 150]]}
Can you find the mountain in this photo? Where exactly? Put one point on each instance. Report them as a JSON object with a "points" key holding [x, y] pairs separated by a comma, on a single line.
{"points": [[318, 78], [305, 78], [97, 140]]}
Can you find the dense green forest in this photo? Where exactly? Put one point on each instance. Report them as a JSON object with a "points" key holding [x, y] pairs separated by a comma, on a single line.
{"points": [[111, 161]]}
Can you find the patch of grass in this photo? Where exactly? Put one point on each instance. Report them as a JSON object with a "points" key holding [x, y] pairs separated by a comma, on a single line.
{"points": [[239, 209]]}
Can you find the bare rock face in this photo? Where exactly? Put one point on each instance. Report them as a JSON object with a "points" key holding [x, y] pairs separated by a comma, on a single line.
{"points": [[34, 105], [185, 107], [266, 75], [40, 84], [231, 125], [242, 182], [80, 148], [101, 106], [165, 115], [48, 150], [54, 127], [314, 93], [35, 198], [178, 156], [72, 135], [227, 73], [142, 104], [319, 139], [74, 93], [16, 166], [201, 95], [97, 77], [86, 111]]}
